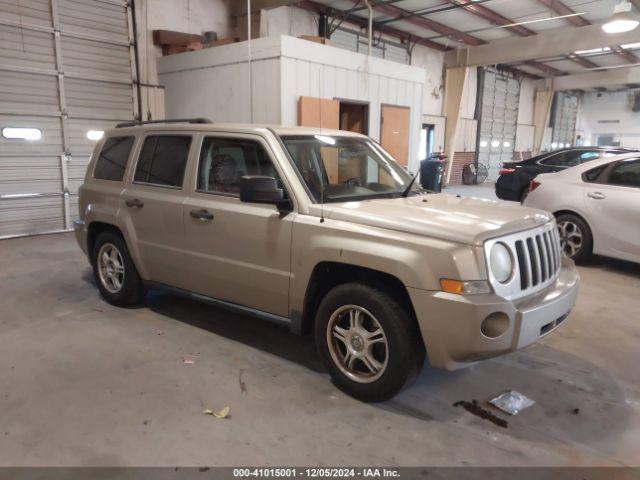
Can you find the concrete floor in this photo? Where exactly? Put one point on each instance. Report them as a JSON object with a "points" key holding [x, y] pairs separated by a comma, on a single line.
{"points": [[85, 383]]}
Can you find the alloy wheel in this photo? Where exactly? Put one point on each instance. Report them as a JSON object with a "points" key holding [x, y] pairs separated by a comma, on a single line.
{"points": [[357, 343], [110, 268], [571, 238]]}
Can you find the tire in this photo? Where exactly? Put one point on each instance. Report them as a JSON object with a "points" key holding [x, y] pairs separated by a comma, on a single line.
{"points": [[403, 349], [568, 223], [128, 289]]}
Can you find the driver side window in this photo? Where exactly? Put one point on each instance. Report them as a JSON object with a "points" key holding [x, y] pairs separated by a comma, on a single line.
{"points": [[223, 161]]}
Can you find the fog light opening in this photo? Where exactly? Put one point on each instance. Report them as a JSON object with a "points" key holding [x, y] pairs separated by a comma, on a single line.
{"points": [[495, 325]]}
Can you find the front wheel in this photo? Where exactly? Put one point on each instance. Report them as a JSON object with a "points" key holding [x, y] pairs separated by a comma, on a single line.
{"points": [[369, 343]]}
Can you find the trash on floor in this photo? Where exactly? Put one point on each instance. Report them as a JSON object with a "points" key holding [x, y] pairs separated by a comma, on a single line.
{"points": [[476, 409], [188, 361], [224, 413], [511, 402]]}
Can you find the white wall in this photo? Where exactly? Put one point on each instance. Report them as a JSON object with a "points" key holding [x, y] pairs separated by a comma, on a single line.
{"points": [[190, 16], [287, 21], [285, 68], [432, 61], [610, 107]]}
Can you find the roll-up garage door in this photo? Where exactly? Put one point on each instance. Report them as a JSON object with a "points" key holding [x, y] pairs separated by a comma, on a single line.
{"points": [[66, 69], [498, 120], [564, 116]]}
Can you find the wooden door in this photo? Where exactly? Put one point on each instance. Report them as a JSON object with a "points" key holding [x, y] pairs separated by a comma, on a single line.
{"points": [[395, 123], [319, 112], [322, 113]]}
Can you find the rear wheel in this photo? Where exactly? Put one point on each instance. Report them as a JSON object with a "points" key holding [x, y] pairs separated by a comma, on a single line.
{"points": [[575, 237], [114, 271], [369, 343]]}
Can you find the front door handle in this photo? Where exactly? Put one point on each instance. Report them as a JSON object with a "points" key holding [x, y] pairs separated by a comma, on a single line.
{"points": [[596, 195], [135, 203], [201, 214]]}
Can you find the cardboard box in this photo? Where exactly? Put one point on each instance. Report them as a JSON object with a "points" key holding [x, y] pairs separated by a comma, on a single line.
{"points": [[317, 39]]}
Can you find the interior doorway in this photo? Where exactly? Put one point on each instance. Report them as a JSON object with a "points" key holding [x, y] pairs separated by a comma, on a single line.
{"points": [[427, 140], [354, 117]]}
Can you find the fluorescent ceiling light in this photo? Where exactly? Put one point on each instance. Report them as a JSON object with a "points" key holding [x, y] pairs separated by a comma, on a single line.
{"points": [[483, 143], [630, 46], [21, 133], [538, 20], [495, 143], [554, 145], [95, 135], [592, 50], [622, 20]]}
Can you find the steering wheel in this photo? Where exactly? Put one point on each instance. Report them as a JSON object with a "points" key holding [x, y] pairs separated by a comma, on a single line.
{"points": [[354, 182]]}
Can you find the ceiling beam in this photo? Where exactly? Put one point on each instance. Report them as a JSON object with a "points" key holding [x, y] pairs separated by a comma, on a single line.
{"points": [[561, 9], [426, 23], [548, 69], [362, 22], [492, 16], [607, 78], [582, 61], [559, 41], [627, 55]]}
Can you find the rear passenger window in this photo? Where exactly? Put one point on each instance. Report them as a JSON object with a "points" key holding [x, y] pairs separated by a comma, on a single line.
{"points": [[113, 158], [594, 173], [223, 161], [163, 160]]}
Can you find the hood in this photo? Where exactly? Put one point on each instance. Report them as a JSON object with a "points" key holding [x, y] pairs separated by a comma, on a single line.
{"points": [[448, 217]]}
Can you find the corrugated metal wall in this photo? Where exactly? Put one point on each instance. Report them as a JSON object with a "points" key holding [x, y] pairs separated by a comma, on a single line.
{"points": [[65, 68], [381, 48], [498, 120]]}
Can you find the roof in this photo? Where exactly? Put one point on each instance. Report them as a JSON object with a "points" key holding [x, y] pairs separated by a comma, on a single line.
{"points": [[236, 128], [453, 24]]}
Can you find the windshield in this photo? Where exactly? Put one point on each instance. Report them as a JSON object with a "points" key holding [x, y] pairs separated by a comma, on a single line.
{"points": [[349, 168]]}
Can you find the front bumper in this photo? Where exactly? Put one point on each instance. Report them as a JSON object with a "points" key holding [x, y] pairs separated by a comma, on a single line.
{"points": [[451, 325], [80, 231]]}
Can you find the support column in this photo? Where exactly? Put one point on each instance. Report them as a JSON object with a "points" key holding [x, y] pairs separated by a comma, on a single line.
{"points": [[541, 110], [455, 81]]}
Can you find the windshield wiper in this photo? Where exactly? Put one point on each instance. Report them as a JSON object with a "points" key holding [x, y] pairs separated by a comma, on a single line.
{"points": [[405, 194]]}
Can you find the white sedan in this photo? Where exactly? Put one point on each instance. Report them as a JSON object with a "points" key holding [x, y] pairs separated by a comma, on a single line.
{"points": [[597, 207]]}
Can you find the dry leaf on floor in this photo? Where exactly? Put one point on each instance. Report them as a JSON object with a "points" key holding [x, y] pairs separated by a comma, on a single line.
{"points": [[221, 414]]}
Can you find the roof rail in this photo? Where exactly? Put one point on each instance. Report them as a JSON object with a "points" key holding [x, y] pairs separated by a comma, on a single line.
{"points": [[135, 123]]}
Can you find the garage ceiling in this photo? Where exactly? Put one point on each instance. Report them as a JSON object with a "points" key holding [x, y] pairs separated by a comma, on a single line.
{"points": [[454, 24]]}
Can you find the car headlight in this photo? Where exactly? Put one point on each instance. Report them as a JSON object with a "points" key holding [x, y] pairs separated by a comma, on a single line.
{"points": [[501, 262]]}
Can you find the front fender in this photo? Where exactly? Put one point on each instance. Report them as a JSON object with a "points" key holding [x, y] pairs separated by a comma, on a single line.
{"points": [[416, 261]]}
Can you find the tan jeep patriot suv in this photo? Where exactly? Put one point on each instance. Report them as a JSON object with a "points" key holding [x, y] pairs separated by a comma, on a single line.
{"points": [[321, 231]]}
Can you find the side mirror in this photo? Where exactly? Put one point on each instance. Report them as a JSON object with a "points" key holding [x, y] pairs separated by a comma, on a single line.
{"points": [[260, 189]]}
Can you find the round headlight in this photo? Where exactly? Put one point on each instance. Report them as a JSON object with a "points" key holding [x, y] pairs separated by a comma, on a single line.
{"points": [[501, 262]]}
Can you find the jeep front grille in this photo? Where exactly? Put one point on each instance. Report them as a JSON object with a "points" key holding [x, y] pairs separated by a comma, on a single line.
{"points": [[538, 258]]}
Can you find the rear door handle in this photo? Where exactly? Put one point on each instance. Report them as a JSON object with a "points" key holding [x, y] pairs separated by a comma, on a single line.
{"points": [[596, 195], [135, 203], [201, 214]]}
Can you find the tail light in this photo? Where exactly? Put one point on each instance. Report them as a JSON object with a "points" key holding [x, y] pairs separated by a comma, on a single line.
{"points": [[507, 171], [533, 185]]}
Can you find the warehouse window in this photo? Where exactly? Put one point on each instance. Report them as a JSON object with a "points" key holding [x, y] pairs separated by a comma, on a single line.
{"points": [[113, 159], [163, 160], [224, 161], [21, 133]]}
